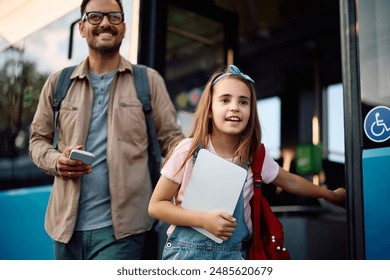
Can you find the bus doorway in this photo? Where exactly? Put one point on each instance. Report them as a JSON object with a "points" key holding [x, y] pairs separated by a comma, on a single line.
{"points": [[365, 41], [292, 51]]}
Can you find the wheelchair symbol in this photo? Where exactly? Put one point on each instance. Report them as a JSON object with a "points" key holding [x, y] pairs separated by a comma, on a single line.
{"points": [[377, 124]]}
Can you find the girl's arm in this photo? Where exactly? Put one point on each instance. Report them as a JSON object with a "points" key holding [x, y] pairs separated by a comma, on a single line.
{"points": [[300, 186], [219, 223]]}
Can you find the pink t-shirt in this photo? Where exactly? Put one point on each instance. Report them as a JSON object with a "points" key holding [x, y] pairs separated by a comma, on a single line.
{"points": [[269, 172]]}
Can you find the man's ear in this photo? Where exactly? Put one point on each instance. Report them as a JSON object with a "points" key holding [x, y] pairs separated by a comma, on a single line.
{"points": [[124, 32], [81, 28]]}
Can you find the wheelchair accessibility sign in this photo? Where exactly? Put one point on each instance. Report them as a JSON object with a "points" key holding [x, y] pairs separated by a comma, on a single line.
{"points": [[377, 124]]}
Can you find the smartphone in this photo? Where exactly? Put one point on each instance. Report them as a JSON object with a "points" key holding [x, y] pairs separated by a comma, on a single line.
{"points": [[84, 156]]}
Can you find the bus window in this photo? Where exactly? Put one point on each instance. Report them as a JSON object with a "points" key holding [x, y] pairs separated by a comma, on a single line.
{"points": [[335, 123], [269, 110]]}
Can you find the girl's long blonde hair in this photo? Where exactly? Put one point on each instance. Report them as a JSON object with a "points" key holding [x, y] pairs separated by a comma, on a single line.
{"points": [[202, 127]]}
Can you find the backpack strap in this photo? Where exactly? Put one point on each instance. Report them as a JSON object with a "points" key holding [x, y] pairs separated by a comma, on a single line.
{"points": [[60, 92], [143, 92], [257, 166], [268, 236]]}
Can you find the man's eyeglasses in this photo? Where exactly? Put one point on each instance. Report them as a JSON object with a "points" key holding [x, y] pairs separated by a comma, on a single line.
{"points": [[97, 17]]}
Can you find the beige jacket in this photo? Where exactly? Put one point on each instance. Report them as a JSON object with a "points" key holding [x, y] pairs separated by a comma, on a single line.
{"points": [[127, 142]]}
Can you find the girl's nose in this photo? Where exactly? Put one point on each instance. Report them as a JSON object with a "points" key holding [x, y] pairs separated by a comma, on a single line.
{"points": [[234, 107]]}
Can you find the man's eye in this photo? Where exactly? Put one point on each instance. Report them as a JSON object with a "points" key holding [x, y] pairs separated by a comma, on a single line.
{"points": [[94, 17], [115, 17]]}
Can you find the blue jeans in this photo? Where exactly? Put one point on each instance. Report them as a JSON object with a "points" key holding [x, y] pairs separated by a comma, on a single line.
{"points": [[185, 243], [100, 244]]}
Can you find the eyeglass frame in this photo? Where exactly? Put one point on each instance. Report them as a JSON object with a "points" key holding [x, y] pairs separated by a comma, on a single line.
{"points": [[85, 17]]}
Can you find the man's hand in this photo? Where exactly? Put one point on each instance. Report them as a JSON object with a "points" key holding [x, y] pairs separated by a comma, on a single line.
{"points": [[68, 168]]}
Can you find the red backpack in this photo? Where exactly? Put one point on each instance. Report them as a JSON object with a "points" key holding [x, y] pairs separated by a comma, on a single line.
{"points": [[268, 237]]}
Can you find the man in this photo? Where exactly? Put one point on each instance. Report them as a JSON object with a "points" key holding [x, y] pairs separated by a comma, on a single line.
{"points": [[99, 211]]}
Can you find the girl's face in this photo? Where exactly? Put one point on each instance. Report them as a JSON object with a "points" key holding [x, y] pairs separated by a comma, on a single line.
{"points": [[230, 107]]}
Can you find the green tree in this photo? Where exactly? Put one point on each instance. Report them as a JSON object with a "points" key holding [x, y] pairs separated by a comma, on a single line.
{"points": [[20, 87]]}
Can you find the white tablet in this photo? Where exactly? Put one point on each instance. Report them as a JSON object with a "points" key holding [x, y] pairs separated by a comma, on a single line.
{"points": [[215, 184]]}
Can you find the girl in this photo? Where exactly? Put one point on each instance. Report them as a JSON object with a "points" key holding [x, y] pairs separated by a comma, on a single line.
{"points": [[227, 124]]}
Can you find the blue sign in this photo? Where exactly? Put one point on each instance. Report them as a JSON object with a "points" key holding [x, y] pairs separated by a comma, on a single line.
{"points": [[377, 124]]}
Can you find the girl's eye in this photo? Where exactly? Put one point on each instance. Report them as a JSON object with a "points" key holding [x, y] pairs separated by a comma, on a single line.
{"points": [[224, 100], [244, 102]]}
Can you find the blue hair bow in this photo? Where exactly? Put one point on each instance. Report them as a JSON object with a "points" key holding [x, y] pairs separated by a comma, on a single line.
{"points": [[234, 71]]}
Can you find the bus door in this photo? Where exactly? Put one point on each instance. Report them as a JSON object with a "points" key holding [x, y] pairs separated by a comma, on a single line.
{"points": [[366, 68]]}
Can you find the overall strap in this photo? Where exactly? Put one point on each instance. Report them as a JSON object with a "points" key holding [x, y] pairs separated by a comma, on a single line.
{"points": [[143, 93], [60, 92], [196, 152]]}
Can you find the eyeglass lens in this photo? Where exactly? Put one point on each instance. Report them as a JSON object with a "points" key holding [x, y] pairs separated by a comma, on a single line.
{"points": [[97, 17]]}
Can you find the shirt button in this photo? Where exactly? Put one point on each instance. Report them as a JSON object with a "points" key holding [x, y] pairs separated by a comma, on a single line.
{"points": [[169, 245]]}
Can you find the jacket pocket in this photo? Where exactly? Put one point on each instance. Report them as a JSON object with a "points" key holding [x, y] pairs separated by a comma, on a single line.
{"points": [[129, 121], [69, 124]]}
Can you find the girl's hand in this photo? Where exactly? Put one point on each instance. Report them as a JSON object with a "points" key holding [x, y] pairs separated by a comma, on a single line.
{"points": [[220, 224], [339, 197]]}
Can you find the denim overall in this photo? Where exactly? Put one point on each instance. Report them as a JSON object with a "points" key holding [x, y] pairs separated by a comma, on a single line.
{"points": [[185, 243]]}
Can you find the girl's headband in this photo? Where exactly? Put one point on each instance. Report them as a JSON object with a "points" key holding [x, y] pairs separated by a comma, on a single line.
{"points": [[233, 71]]}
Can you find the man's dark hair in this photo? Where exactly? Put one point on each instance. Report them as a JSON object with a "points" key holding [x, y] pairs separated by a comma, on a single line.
{"points": [[85, 2]]}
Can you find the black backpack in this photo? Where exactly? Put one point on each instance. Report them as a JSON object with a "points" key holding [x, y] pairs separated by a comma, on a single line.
{"points": [[143, 94]]}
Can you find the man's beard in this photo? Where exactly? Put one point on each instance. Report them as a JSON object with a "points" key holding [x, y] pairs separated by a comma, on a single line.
{"points": [[108, 49]]}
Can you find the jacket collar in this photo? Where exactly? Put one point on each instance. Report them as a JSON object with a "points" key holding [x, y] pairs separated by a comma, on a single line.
{"points": [[82, 69]]}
